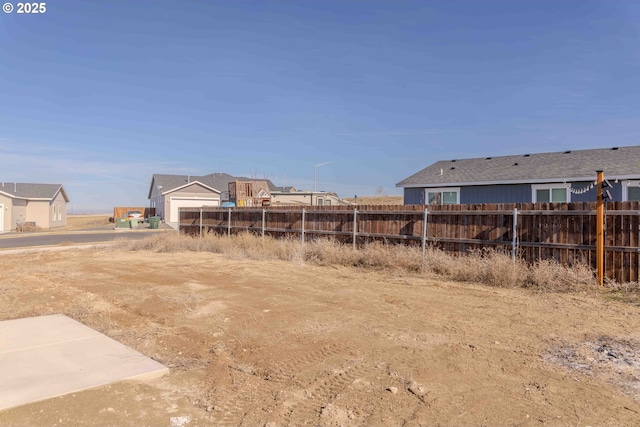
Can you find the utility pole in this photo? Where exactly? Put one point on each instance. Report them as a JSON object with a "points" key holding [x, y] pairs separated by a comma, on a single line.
{"points": [[314, 173]]}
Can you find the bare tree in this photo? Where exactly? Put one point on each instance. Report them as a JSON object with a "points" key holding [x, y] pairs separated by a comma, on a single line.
{"points": [[380, 191], [255, 174]]}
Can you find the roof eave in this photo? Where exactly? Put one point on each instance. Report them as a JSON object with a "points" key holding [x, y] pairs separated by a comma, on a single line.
{"points": [[189, 184], [513, 181], [64, 194], [153, 179]]}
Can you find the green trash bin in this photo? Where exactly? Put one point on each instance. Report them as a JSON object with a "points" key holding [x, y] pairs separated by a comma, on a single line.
{"points": [[154, 221], [122, 223]]}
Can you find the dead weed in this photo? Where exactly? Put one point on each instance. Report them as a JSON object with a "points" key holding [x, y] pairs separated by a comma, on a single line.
{"points": [[490, 267]]}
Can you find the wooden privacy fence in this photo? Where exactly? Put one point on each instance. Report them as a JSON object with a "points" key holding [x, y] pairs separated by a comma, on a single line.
{"points": [[121, 212], [564, 232]]}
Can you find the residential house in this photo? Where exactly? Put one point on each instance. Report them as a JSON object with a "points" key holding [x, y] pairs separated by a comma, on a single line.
{"points": [[44, 205], [291, 196], [565, 176], [250, 193], [168, 193]]}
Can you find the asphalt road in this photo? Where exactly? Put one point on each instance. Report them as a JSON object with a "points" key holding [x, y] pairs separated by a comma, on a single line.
{"points": [[22, 241]]}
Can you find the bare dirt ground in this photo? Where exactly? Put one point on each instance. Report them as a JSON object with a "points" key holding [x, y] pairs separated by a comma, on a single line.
{"points": [[271, 343]]}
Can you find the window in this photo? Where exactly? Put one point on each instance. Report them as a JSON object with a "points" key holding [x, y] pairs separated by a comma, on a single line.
{"points": [[442, 196], [53, 218], [633, 194], [550, 193], [328, 202], [59, 213], [631, 191], [320, 201]]}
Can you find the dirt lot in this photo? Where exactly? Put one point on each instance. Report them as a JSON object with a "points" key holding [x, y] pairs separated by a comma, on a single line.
{"points": [[271, 343]]}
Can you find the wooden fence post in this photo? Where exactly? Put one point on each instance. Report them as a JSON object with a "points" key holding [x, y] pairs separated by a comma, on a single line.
{"points": [[514, 240], [600, 229], [355, 227], [424, 232], [229, 224], [302, 234], [200, 222], [264, 212]]}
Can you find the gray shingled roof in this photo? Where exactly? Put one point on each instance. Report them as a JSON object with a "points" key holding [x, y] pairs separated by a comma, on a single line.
{"points": [[23, 190], [615, 162], [283, 189], [218, 181]]}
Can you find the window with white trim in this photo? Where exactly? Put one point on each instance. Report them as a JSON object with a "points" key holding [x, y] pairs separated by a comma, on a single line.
{"points": [[59, 213], [442, 196], [631, 191], [550, 193], [53, 217]]}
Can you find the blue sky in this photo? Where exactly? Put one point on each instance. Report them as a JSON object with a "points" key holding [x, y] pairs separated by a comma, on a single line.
{"points": [[99, 95]]}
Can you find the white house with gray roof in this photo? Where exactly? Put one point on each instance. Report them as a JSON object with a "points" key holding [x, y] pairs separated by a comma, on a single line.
{"points": [[564, 176], [42, 204], [168, 193]]}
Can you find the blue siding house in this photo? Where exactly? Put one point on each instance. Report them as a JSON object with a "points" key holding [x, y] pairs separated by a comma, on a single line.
{"points": [[565, 176]]}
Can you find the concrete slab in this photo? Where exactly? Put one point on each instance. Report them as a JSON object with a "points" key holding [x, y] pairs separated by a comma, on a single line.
{"points": [[49, 356]]}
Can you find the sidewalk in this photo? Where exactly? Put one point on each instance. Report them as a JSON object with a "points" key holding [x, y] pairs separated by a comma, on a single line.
{"points": [[48, 356]]}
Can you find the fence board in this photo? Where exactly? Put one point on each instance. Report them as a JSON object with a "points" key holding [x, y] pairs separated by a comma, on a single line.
{"points": [[120, 212]]}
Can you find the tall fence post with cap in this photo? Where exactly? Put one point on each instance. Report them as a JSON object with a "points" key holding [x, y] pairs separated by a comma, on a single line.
{"points": [[264, 213], [200, 222], [229, 224], [600, 228]]}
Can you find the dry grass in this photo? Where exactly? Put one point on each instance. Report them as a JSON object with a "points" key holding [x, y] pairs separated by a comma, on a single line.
{"points": [[376, 200], [28, 228], [489, 267], [78, 222]]}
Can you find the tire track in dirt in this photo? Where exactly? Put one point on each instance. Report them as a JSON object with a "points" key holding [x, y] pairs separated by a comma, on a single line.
{"points": [[325, 388], [290, 369], [231, 409], [233, 405]]}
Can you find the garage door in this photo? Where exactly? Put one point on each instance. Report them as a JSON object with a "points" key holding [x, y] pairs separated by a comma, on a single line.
{"points": [[181, 202]]}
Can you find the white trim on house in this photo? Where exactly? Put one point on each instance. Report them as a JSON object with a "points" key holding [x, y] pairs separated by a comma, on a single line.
{"points": [[1, 217], [519, 181], [13, 196], [189, 184], [550, 187], [441, 190], [197, 202]]}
